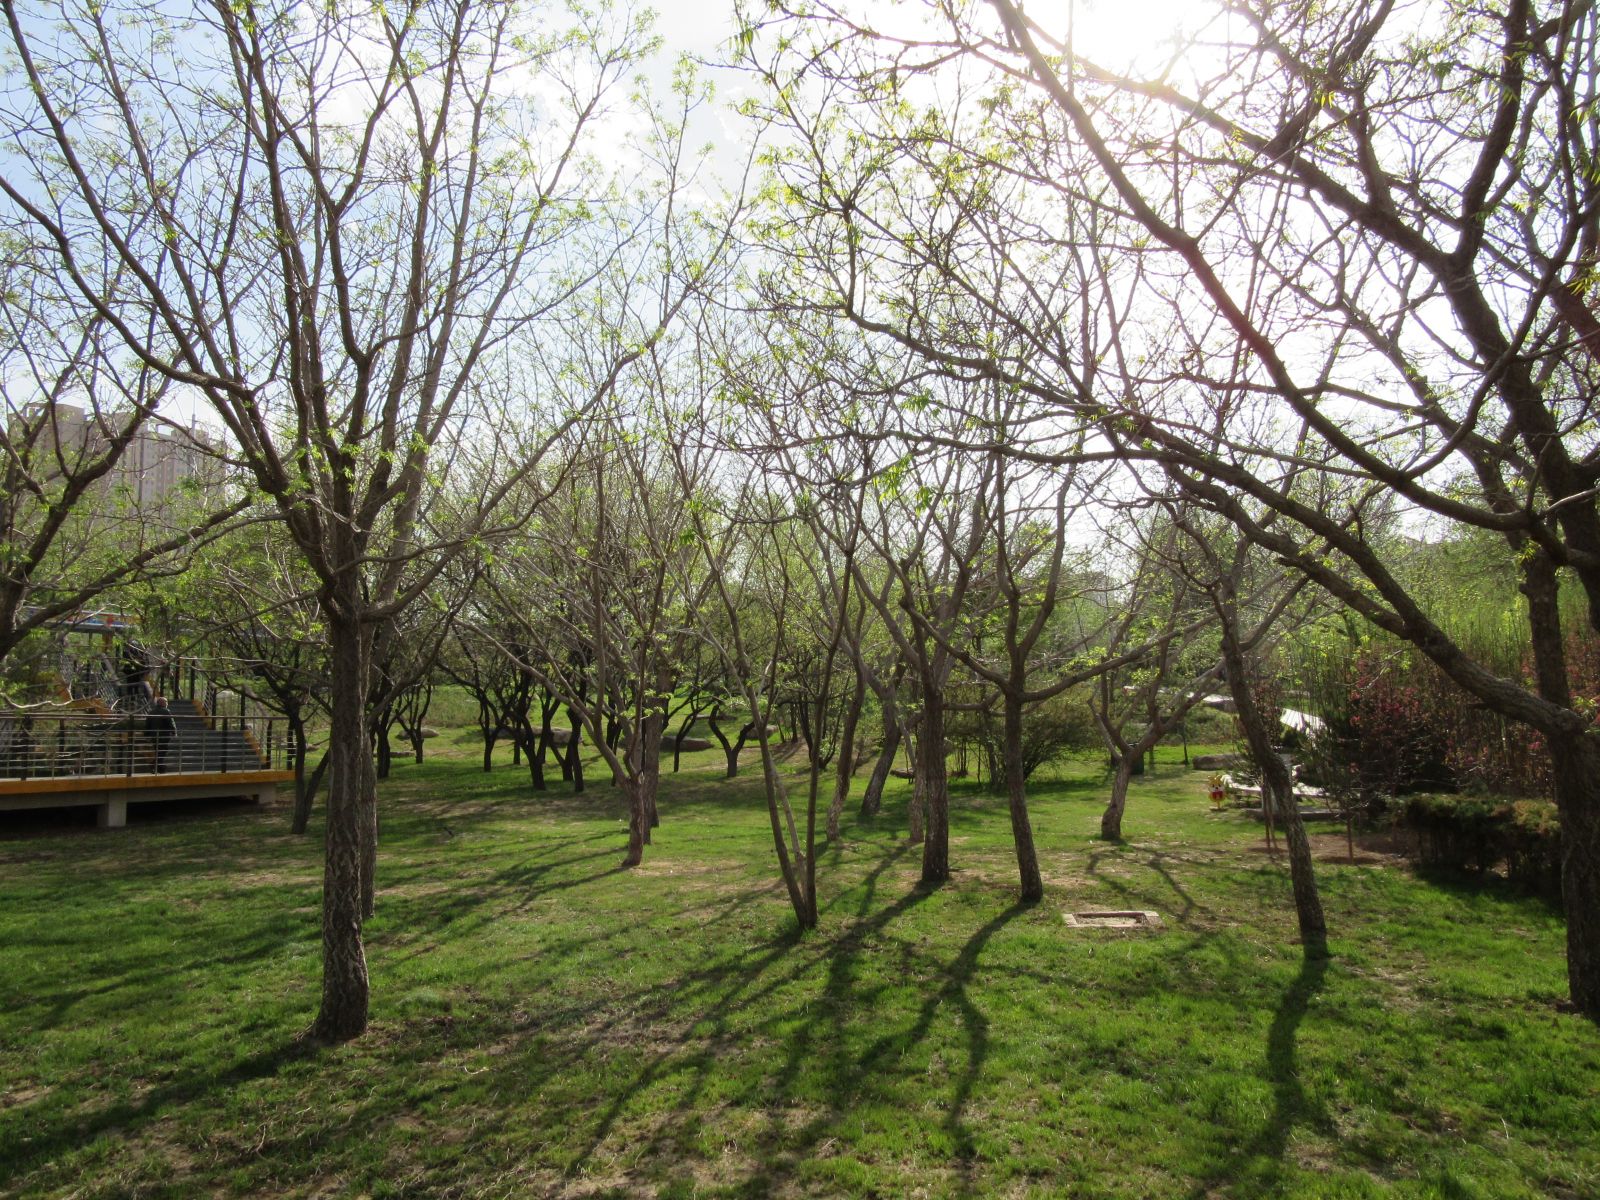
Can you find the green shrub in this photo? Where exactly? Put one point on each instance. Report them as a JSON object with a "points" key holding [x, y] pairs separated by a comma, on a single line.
{"points": [[1204, 726], [1479, 833], [1050, 730]]}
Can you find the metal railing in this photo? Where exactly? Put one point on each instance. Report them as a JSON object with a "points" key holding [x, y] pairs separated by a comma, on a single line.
{"points": [[106, 679], [67, 745]]}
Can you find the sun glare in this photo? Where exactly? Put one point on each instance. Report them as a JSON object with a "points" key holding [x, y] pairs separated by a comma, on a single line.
{"points": [[1140, 37]]}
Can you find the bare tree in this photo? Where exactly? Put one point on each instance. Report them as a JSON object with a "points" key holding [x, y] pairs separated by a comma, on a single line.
{"points": [[738, 547], [1353, 239], [602, 600], [404, 664], [340, 242], [1251, 601], [926, 528], [479, 666], [1167, 618], [885, 685]]}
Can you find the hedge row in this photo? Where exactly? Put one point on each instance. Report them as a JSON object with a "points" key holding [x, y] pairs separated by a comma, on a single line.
{"points": [[1482, 832]]}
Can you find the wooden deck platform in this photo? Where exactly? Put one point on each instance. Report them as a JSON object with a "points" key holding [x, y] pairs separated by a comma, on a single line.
{"points": [[113, 793]]}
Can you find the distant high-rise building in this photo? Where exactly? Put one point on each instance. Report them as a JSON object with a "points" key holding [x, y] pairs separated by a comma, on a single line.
{"points": [[157, 460]]}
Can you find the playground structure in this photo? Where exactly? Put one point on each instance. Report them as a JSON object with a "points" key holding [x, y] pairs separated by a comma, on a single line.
{"points": [[98, 746]]}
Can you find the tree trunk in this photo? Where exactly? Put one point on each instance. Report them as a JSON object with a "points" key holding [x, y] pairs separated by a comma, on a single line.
{"points": [[385, 754], [489, 726], [564, 756], [574, 762], [1017, 798], [677, 742], [305, 798], [872, 798], [1277, 791], [846, 762], [369, 838], [302, 802], [650, 768], [536, 752], [805, 908], [810, 920], [730, 750], [1577, 779], [1302, 872], [1111, 819], [801, 715], [638, 822], [931, 769], [527, 743], [1127, 762], [917, 809], [548, 707], [722, 740], [1575, 767], [343, 1014]]}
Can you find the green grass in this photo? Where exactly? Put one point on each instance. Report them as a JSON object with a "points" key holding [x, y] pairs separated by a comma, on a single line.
{"points": [[546, 1024]]}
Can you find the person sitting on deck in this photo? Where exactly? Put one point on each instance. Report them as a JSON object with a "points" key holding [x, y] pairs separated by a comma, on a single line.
{"points": [[162, 728]]}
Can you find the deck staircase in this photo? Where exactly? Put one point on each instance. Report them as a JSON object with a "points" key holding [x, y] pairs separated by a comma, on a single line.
{"points": [[202, 747]]}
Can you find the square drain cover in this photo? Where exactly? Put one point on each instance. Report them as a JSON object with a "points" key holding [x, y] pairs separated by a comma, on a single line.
{"points": [[1114, 919]]}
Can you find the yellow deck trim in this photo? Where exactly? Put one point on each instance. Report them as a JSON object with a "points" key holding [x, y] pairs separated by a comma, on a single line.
{"points": [[89, 783]]}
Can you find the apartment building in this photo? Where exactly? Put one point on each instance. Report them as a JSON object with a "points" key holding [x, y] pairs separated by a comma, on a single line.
{"points": [[156, 462]]}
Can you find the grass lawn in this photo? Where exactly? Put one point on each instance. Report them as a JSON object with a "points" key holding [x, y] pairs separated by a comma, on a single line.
{"points": [[546, 1024]]}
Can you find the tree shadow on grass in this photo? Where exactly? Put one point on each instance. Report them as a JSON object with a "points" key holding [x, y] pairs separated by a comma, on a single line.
{"points": [[419, 920], [1159, 863], [637, 1081], [859, 1073], [1487, 887], [1131, 895], [819, 1034], [53, 1132], [549, 1047], [796, 1034], [723, 991], [536, 880], [79, 1129], [1261, 1159], [267, 944]]}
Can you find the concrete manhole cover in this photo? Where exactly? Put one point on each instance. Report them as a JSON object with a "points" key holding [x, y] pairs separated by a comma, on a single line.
{"points": [[1114, 919]]}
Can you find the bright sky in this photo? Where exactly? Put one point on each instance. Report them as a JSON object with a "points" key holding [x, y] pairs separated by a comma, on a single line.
{"points": [[1126, 35], [1136, 35]]}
